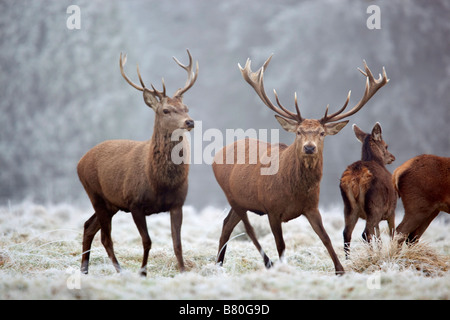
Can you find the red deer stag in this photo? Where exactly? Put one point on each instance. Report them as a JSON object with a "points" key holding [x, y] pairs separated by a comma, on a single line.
{"points": [[366, 187], [139, 177], [423, 184], [294, 189]]}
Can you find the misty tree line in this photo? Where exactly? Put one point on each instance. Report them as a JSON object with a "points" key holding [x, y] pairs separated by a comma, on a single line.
{"points": [[62, 93]]}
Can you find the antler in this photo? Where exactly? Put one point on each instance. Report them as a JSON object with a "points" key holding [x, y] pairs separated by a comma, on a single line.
{"points": [[256, 80], [160, 94], [192, 76], [372, 86]]}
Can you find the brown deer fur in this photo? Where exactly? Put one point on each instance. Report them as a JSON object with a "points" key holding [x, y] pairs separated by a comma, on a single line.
{"points": [[423, 183], [292, 192], [294, 189], [138, 177], [366, 187]]}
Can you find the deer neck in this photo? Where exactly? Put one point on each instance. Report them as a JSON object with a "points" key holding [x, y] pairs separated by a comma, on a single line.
{"points": [[162, 171], [368, 154], [303, 173]]}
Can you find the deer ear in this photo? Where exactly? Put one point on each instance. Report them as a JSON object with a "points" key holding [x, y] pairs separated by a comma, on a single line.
{"points": [[376, 132], [287, 124], [150, 99], [360, 135], [334, 128]]}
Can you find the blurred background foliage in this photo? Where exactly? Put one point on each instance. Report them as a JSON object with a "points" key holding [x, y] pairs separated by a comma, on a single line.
{"points": [[62, 93]]}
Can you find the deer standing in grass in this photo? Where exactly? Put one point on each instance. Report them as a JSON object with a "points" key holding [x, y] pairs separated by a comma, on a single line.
{"points": [[366, 187], [294, 189], [139, 177], [423, 184]]}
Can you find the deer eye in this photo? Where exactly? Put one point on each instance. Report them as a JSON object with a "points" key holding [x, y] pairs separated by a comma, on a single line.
{"points": [[166, 111], [322, 134]]}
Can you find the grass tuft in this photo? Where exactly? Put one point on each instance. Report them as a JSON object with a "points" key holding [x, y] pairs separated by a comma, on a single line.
{"points": [[390, 255]]}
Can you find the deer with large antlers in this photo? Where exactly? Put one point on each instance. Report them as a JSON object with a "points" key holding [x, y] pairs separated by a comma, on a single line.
{"points": [[139, 177], [294, 189]]}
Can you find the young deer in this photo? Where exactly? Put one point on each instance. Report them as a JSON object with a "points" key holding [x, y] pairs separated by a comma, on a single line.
{"points": [[423, 183], [366, 187], [294, 189], [139, 177]]}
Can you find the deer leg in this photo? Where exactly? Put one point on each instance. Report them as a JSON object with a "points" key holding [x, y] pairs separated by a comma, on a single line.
{"points": [[411, 220], [315, 221], [104, 217], [351, 218], [277, 231], [141, 224], [417, 233], [368, 232], [91, 227], [229, 223], [374, 215], [176, 218], [391, 224], [251, 233]]}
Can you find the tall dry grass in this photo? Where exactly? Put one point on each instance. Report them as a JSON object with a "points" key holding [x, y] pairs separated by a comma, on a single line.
{"points": [[390, 254]]}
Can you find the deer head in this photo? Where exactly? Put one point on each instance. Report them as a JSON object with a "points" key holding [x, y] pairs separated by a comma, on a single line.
{"points": [[171, 112], [310, 133], [374, 147]]}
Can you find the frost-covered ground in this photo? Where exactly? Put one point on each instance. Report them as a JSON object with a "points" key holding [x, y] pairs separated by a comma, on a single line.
{"points": [[40, 249]]}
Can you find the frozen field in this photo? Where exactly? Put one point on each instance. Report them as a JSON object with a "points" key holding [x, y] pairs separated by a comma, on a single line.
{"points": [[40, 249]]}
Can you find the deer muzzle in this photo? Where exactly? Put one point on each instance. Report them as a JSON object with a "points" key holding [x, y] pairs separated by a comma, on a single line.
{"points": [[309, 148], [189, 124]]}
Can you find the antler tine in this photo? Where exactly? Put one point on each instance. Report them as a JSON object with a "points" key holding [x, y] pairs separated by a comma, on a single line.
{"points": [[160, 94], [291, 114], [256, 81], [122, 63], [164, 87], [326, 118], [372, 86], [192, 76], [139, 75], [297, 108], [188, 68]]}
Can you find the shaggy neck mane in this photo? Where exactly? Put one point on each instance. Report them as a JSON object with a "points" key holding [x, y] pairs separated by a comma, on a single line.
{"points": [[163, 173], [303, 173]]}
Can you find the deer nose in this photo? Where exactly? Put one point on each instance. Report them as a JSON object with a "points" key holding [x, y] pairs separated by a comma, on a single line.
{"points": [[189, 123], [309, 149]]}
